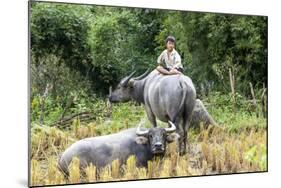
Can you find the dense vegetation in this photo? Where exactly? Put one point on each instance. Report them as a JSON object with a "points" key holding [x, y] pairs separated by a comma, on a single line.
{"points": [[79, 51]]}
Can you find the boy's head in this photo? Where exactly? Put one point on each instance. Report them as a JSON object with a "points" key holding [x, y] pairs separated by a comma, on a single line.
{"points": [[170, 43]]}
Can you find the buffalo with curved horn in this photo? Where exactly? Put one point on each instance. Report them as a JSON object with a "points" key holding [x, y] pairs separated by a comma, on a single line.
{"points": [[166, 97], [143, 143], [140, 132]]}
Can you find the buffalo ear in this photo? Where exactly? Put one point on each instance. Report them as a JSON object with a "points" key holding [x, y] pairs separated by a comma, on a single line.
{"points": [[172, 137], [141, 140], [131, 83]]}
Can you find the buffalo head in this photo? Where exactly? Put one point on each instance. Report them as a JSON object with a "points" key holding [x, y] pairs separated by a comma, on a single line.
{"points": [[156, 137], [123, 91]]}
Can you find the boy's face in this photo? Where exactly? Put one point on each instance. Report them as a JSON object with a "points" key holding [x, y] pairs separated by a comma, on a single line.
{"points": [[170, 46]]}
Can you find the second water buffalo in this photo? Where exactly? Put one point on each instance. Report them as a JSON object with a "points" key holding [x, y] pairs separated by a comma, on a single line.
{"points": [[102, 150]]}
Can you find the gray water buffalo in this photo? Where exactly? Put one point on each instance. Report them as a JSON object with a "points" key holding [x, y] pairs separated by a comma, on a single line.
{"points": [[166, 97], [201, 115], [102, 150]]}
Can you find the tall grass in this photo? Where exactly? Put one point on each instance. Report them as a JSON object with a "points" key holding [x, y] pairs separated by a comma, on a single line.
{"points": [[239, 145]]}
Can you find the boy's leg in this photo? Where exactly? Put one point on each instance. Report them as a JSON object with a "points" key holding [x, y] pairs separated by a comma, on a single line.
{"points": [[180, 69], [163, 70]]}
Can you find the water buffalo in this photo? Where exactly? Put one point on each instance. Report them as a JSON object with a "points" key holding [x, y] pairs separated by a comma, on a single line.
{"points": [[201, 115], [166, 97], [102, 150]]}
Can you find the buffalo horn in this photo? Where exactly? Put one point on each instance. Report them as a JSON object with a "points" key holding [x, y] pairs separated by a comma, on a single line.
{"points": [[172, 128], [143, 75], [140, 132], [128, 78]]}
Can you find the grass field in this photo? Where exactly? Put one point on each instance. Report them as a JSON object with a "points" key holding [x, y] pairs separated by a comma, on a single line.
{"points": [[238, 145]]}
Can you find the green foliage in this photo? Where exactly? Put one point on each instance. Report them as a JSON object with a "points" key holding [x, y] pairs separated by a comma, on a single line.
{"points": [[219, 42], [257, 155], [121, 40], [210, 44], [235, 117], [106, 43], [80, 50], [112, 46], [56, 87], [62, 30]]}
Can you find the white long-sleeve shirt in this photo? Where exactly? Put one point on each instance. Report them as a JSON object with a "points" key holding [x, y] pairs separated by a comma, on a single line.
{"points": [[170, 61]]}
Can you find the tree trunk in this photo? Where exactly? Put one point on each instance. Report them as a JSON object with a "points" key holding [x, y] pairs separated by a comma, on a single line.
{"points": [[254, 99], [264, 102], [232, 86], [42, 103]]}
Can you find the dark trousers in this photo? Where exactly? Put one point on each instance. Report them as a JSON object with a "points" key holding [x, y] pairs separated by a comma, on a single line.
{"points": [[179, 69]]}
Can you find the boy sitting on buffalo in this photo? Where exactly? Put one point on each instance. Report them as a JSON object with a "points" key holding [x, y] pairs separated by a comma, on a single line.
{"points": [[169, 61]]}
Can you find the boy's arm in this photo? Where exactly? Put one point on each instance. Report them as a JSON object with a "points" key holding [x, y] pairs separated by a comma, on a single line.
{"points": [[178, 66], [160, 59], [161, 65]]}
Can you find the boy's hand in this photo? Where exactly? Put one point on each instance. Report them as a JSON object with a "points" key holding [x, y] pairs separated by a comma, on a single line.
{"points": [[163, 71]]}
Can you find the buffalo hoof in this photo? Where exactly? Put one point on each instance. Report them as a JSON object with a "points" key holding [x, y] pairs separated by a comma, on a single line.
{"points": [[182, 153]]}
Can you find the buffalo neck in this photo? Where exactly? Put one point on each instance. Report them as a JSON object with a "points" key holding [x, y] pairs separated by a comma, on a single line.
{"points": [[138, 89]]}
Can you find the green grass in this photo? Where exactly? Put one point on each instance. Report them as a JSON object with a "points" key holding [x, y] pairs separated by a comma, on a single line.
{"points": [[238, 146]]}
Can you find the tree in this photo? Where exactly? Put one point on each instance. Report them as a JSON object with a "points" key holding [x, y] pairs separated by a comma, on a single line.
{"points": [[62, 30]]}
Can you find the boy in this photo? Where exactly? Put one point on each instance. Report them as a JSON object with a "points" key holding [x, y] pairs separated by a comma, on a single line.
{"points": [[169, 61]]}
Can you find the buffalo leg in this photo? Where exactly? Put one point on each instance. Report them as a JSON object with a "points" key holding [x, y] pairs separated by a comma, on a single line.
{"points": [[184, 140], [185, 126], [181, 132], [183, 136], [151, 117], [181, 144]]}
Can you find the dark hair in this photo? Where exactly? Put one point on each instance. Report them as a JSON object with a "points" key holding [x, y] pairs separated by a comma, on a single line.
{"points": [[170, 38]]}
